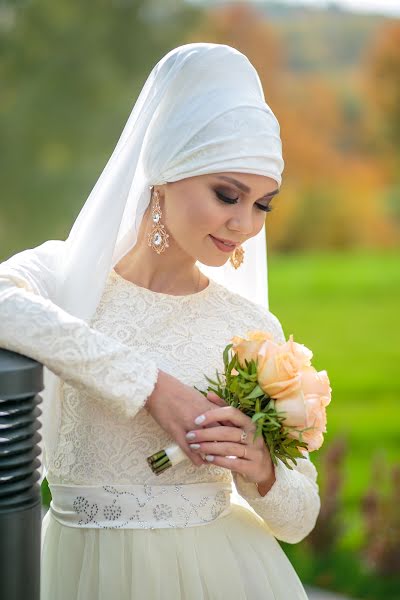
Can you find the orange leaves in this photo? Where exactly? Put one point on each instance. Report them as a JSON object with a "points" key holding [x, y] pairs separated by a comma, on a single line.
{"points": [[339, 119]]}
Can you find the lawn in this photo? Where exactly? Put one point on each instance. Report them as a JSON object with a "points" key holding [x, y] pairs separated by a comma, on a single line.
{"points": [[344, 306]]}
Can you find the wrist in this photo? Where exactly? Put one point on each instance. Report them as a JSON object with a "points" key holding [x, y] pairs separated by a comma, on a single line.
{"points": [[264, 486], [156, 391]]}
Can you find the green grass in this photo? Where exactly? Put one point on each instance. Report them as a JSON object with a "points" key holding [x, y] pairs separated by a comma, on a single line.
{"points": [[345, 308], [342, 572]]}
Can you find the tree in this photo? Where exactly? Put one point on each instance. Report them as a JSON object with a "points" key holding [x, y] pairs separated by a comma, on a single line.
{"points": [[73, 72], [382, 82]]}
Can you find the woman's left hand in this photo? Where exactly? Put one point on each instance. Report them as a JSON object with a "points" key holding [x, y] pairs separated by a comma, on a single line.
{"points": [[219, 443]]}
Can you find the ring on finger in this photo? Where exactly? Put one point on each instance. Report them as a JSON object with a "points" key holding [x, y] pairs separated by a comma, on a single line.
{"points": [[243, 436], [244, 454]]}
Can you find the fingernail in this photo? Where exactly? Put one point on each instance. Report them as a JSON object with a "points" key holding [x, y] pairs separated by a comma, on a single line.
{"points": [[190, 435], [194, 446], [209, 457], [199, 419]]}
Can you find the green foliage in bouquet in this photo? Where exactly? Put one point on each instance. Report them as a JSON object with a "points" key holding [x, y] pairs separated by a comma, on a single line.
{"points": [[241, 390]]}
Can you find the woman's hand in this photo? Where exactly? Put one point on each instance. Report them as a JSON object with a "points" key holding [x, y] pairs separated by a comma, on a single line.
{"points": [[174, 406], [219, 443]]}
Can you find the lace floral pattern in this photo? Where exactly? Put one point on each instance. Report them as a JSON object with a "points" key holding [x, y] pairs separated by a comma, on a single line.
{"points": [[83, 357], [148, 507], [294, 493], [185, 335], [110, 367]]}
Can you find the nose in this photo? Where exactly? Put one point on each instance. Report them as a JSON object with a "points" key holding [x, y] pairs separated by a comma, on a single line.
{"points": [[242, 222]]}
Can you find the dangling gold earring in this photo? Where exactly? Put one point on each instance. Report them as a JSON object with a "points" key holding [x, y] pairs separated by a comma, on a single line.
{"points": [[237, 257], [158, 237]]}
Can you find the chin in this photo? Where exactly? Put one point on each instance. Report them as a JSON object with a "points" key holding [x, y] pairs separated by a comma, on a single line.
{"points": [[213, 262], [213, 259]]}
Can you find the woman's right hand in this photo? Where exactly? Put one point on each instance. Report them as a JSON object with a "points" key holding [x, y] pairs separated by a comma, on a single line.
{"points": [[175, 406]]}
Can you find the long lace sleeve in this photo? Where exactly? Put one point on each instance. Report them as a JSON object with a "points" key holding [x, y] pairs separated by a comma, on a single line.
{"points": [[33, 325], [291, 507]]}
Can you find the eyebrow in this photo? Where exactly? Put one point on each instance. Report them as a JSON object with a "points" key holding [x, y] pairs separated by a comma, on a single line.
{"points": [[244, 187]]}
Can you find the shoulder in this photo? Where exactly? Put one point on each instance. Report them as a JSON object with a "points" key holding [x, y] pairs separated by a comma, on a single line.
{"points": [[247, 315]]}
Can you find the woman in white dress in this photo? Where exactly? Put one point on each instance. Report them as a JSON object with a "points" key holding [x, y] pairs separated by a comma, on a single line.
{"points": [[126, 324]]}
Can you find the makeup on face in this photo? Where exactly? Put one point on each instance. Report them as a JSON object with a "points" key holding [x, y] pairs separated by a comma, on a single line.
{"points": [[228, 245], [244, 188]]}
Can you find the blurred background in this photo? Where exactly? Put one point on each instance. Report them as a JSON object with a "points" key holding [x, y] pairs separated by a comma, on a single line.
{"points": [[70, 73]]}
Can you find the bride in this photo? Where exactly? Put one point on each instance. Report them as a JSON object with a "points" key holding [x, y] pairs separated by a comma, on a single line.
{"points": [[165, 263]]}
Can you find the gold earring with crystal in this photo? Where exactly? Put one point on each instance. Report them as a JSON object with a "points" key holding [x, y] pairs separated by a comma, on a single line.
{"points": [[236, 258], [158, 237]]}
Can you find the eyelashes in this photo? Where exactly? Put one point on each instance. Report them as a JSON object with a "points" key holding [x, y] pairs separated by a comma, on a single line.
{"points": [[265, 208], [234, 200]]}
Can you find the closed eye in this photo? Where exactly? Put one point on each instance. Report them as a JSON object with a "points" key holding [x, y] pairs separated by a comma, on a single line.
{"points": [[234, 201], [264, 208]]}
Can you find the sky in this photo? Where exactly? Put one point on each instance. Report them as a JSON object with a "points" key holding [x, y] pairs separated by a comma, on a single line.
{"points": [[388, 7], [384, 7]]}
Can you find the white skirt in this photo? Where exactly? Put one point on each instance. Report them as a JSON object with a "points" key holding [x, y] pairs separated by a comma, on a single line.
{"points": [[233, 556]]}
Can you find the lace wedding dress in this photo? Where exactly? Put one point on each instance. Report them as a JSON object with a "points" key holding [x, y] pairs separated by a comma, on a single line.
{"points": [[116, 530]]}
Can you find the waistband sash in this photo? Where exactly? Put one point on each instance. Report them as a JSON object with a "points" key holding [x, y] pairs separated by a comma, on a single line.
{"points": [[140, 506]]}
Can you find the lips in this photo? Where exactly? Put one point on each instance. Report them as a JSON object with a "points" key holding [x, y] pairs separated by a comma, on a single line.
{"points": [[222, 246]]}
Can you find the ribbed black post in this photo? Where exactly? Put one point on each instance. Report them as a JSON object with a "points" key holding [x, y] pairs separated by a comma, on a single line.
{"points": [[21, 380]]}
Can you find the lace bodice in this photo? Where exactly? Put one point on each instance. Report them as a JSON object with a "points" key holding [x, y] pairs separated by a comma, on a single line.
{"points": [[179, 335], [109, 367]]}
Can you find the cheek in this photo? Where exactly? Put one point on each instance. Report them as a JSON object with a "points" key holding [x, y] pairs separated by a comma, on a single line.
{"points": [[209, 217], [202, 215]]}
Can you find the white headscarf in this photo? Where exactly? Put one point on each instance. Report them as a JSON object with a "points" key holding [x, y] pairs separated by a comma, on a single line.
{"points": [[201, 110]]}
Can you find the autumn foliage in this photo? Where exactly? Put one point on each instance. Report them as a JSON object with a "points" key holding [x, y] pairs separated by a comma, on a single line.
{"points": [[339, 186]]}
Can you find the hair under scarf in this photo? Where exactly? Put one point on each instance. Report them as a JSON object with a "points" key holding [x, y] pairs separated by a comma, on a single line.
{"points": [[201, 110]]}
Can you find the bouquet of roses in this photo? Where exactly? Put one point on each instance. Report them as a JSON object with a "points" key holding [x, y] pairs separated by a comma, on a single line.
{"points": [[276, 386]]}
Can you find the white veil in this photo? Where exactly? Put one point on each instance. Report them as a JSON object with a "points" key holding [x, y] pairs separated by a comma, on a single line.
{"points": [[201, 110]]}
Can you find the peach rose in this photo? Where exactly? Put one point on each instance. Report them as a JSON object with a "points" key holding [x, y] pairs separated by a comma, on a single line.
{"points": [[248, 348], [315, 423], [300, 352], [316, 382], [305, 408], [279, 367]]}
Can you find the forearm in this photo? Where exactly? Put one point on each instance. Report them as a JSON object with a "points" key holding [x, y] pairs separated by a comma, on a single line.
{"points": [[81, 356]]}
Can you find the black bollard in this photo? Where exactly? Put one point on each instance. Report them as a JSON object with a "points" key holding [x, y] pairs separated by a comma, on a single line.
{"points": [[21, 380]]}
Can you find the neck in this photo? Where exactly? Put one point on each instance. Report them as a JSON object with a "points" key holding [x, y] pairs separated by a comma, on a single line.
{"points": [[170, 271]]}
